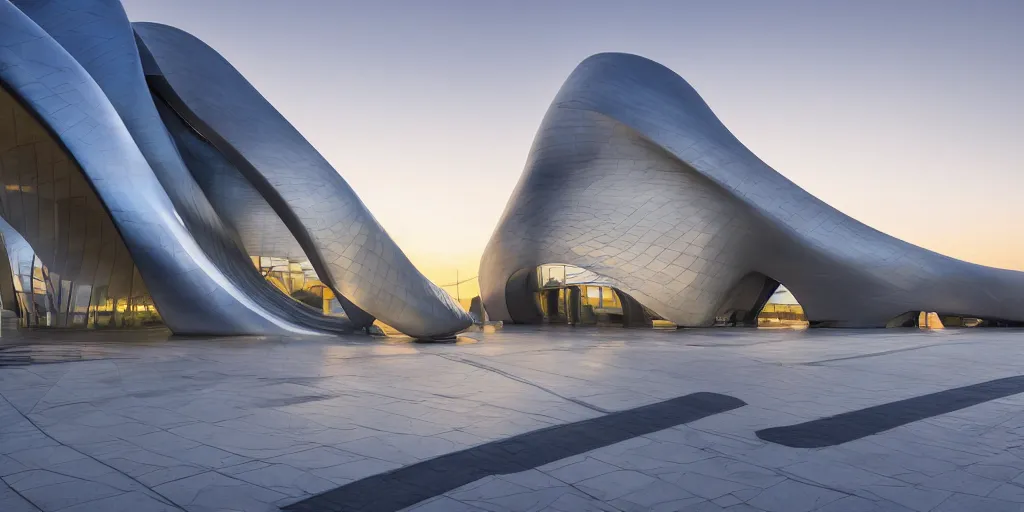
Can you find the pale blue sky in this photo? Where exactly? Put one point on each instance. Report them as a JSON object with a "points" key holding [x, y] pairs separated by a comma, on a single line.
{"points": [[906, 115]]}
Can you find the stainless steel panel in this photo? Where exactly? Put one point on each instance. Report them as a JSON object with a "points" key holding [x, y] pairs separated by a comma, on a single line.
{"points": [[633, 177]]}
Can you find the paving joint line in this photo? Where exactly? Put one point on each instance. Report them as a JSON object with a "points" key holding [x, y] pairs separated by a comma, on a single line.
{"points": [[167, 500], [523, 381]]}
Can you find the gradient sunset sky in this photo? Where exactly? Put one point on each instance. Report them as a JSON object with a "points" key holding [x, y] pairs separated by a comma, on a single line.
{"points": [[908, 116]]}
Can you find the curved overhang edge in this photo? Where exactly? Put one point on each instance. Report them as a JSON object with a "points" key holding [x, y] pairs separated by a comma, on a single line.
{"points": [[442, 312]]}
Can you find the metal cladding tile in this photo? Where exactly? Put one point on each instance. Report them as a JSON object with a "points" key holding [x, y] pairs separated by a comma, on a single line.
{"points": [[664, 173]]}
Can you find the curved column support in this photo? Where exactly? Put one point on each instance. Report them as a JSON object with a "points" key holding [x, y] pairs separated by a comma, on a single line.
{"points": [[99, 36], [350, 251], [632, 176], [192, 295], [259, 230]]}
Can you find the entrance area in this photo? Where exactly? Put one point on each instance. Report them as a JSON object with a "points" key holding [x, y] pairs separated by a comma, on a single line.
{"points": [[570, 295]]}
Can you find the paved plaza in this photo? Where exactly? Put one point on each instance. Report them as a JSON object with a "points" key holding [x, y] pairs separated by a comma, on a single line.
{"points": [[519, 419]]}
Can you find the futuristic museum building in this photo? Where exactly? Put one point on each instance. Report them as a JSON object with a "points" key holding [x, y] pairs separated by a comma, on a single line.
{"points": [[638, 204], [146, 181]]}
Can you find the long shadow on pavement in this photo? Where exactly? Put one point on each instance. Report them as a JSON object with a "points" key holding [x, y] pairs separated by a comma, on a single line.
{"points": [[409, 485], [850, 426]]}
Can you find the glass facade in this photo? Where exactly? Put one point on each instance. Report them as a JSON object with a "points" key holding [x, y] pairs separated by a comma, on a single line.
{"points": [[572, 295], [69, 265]]}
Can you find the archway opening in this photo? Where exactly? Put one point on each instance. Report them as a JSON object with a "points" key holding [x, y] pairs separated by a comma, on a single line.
{"points": [[782, 309], [760, 301], [570, 295], [297, 279]]}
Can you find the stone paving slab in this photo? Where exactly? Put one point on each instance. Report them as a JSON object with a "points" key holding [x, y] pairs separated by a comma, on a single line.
{"points": [[144, 421]]}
